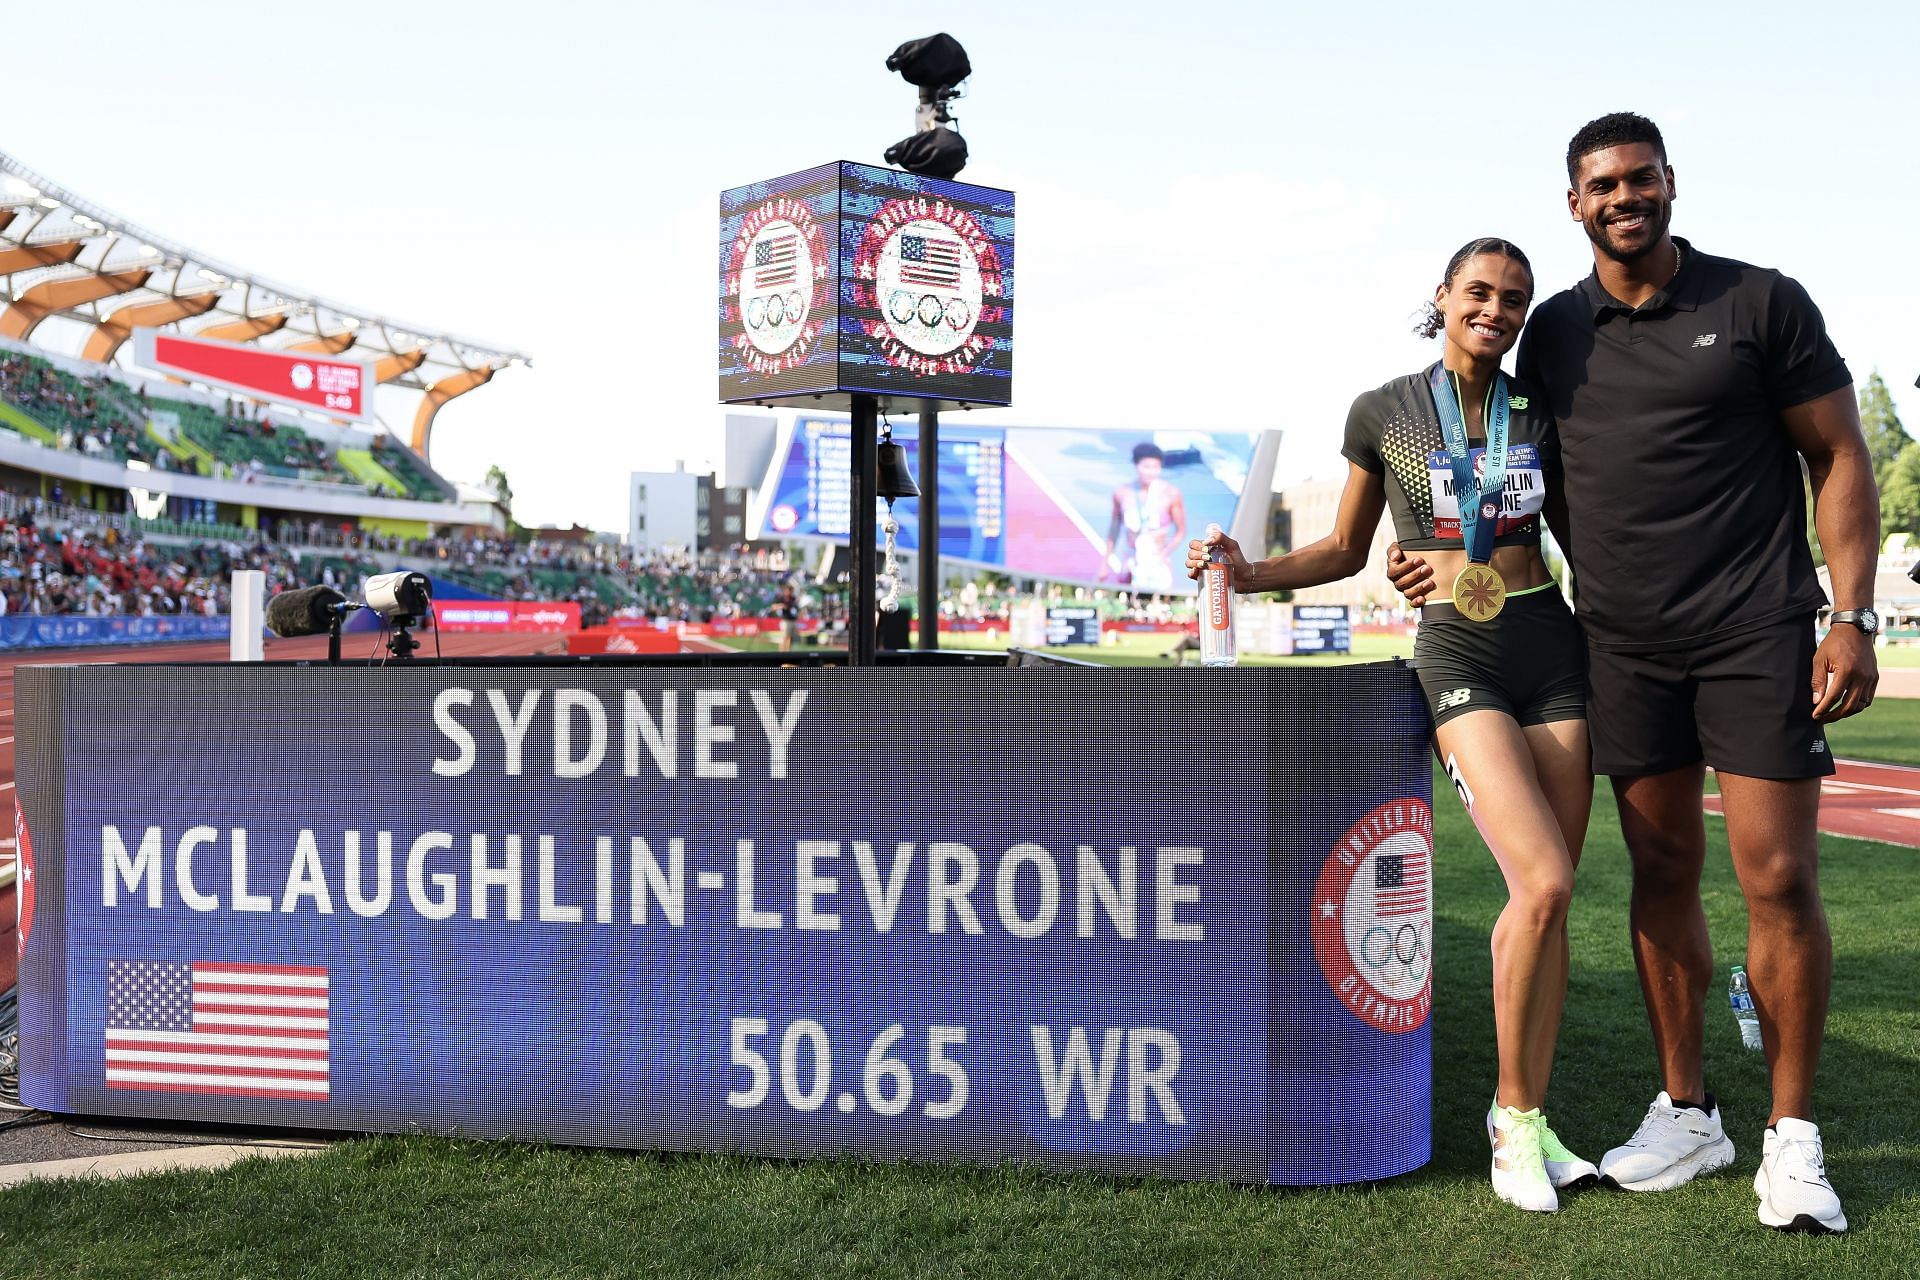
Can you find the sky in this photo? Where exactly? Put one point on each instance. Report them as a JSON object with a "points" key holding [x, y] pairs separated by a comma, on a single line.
{"points": [[1228, 214]]}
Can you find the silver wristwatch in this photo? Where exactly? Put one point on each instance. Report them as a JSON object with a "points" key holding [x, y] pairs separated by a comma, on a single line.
{"points": [[1866, 619]]}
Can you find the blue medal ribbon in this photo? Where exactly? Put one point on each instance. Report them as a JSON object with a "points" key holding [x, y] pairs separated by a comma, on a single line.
{"points": [[1480, 516]]}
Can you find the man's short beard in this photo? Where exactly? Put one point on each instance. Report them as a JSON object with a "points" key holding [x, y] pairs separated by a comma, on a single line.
{"points": [[1664, 218]]}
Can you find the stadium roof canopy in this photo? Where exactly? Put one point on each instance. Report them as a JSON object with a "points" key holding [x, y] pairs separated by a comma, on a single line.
{"points": [[61, 256]]}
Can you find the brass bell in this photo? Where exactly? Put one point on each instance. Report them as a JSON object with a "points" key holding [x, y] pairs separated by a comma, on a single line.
{"points": [[895, 480]]}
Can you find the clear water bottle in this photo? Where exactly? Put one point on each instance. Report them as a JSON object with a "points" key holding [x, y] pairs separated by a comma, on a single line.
{"points": [[1740, 996], [1216, 609]]}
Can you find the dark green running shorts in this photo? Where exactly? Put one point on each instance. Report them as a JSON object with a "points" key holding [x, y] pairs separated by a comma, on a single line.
{"points": [[1529, 661]]}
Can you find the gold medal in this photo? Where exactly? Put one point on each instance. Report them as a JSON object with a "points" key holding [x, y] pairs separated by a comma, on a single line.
{"points": [[1479, 593]]}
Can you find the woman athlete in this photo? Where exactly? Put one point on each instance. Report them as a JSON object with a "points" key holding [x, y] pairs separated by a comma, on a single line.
{"points": [[1503, 666]]}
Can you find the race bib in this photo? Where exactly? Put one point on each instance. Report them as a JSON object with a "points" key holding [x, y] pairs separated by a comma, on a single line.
{"points": [[1520, 500]]}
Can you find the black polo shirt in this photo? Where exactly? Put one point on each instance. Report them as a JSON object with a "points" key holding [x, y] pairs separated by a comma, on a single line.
{"points": [[1684, 492]]}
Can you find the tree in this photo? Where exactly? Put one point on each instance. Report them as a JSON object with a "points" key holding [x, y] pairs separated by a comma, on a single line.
{"points": [[1900, 495], [503, 492], [1886, 437]]}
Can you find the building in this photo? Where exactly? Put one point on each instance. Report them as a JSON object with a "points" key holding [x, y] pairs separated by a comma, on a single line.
{"points": [[1306, 513], [663, 510], [721, 514]]}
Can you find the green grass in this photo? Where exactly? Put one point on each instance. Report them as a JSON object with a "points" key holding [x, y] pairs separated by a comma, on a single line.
{"points": [[1888, 730], [1898, 655], [435, 1207]]}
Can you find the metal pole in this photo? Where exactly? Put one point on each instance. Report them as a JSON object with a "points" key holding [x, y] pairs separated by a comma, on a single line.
{"points": [[862, 640], [929, 528]]}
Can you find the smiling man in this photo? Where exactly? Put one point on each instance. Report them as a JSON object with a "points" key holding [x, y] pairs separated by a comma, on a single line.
{"points": [[1688, 389]]}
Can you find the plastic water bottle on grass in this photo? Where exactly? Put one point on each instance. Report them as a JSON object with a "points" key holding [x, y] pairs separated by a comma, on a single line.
{"points": [[1740, 996], [1217, 647]]}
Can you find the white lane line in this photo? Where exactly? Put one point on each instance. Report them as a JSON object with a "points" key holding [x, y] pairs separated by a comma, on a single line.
{"points": [[1875, 764], [1848, 788]]}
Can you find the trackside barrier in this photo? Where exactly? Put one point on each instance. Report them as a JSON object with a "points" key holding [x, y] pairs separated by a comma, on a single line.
{"points": [[1159, 922], [67, 631]]}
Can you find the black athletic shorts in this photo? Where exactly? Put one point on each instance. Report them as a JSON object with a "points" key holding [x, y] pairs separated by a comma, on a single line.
{"points": [[1529, 661], [1743, 703]]}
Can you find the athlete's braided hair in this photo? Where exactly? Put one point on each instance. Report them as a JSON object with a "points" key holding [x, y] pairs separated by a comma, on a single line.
{"points": [[1432, 319]]}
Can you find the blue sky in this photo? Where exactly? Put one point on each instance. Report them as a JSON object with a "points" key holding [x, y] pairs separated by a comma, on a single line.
{"points": [[1228, 212]]}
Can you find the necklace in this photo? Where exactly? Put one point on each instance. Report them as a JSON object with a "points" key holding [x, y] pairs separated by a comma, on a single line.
{"points": [[1678, 259]]}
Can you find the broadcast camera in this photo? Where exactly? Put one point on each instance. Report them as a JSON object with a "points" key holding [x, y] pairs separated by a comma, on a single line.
{"points": [[403, 600], [939, 67]]}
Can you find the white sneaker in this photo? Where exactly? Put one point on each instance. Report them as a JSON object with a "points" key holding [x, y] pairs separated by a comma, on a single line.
{"points": [[1519, 1164], [1792, 1183], [1565, 1169], [1672, 1146]]}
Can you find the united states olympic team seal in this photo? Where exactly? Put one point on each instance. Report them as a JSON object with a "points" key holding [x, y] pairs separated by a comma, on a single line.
{"points": [[931, 272], [1372, 916], [23, 849], [778, 269]]}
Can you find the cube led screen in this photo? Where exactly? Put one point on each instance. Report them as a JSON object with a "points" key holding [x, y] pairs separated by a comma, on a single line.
{"points": [[850, 279]]}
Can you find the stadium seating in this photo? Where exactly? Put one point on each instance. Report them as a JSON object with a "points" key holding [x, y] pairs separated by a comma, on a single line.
{"points": [[418, 479], [102, 416]]}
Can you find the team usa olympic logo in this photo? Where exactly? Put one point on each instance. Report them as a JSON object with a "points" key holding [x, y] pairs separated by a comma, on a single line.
{"points": [[1373, 917], [23, 849], [779, 265], [931, 272]]}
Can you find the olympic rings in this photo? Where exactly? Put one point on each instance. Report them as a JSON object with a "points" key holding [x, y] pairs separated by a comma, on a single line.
{"points": [[900, 306], [927, 301], [1402, 946], [958, 314], [756, 312], [796, 307]]}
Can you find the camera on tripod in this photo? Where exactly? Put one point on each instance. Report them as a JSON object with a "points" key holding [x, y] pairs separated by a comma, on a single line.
{"points": [[403, 600]]}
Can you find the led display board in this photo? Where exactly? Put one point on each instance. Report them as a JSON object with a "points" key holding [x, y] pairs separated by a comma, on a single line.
{"points": [[854, 279], [1105, 508], [337, 388], [1322, 628], [775, 911], [1072, 624]]}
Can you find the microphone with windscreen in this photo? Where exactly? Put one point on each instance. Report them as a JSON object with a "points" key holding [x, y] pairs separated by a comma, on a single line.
{"points": [[308, 611]]}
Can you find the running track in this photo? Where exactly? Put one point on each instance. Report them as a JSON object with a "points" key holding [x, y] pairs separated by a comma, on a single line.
{"points": [[1868, 801]]}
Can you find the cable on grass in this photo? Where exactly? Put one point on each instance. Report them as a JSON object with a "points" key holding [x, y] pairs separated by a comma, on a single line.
{"points": [[10, 1050], [295, 1144]]}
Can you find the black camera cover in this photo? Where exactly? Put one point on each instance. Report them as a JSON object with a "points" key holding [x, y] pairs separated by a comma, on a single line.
{"points": [[933, 153], [935, 62]]}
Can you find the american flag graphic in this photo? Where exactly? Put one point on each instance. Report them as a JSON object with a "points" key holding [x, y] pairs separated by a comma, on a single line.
{"points": [[927, 261], [239, 1030], [776, 261], [1400, 884]]}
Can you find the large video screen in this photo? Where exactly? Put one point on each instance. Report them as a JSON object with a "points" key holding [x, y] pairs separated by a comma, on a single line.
{"points": [[1111, 508], [854, 279]]}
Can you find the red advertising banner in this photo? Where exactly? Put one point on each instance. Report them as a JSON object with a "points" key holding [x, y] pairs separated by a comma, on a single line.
{"points": [[623, 640], [337, 388], [454, 616]]}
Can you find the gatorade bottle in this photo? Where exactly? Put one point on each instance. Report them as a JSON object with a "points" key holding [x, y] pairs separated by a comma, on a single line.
{"points": [[1216, 609]]}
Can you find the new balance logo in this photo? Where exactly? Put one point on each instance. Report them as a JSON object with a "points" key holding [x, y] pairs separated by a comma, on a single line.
{"points": [[1452, 698], [1818, 748], [1705, 339]]}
